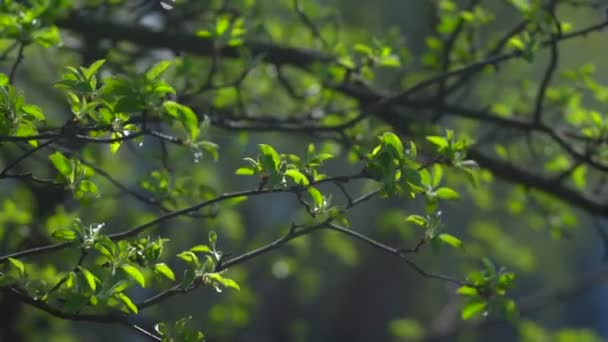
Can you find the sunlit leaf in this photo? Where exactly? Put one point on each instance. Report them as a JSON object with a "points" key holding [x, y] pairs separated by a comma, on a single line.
{"points": [[185, 115], [165, 270], [297, 176], [89, 277], [127, 301], [158, 69], [135, 274], [447, 193], [316, 195], [467, 291], [201, 249], [245, 171], [18, 265], [450, 240], [472, 309], [64, 234], [61, 163]]}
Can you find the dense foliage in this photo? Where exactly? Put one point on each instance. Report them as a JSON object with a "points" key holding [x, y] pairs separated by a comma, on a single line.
{"points": [[153, 151]]}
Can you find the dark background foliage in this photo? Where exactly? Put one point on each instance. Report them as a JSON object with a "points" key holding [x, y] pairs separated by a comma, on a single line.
{"points": [[538, 209]]}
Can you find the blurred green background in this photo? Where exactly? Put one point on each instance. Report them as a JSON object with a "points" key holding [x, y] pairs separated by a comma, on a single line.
{"points": [[325, 287]]}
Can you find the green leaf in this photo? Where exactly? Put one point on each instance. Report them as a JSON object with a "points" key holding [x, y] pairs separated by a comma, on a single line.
{"points": [[135, 274], [272, 157], [25, 129], [93, 68], [416, 219], [363, 49], [437, 175], [245, 171], [157, 70], [209, 147], [64, 234], [223, 23], [61, 163], [18, 265], [33, 111], [450, 240], [212, 238], [201, 249], [224, 281], [579, 177], [438, 141], [472, 309], [115, 145], [165, 270], [467, 291], [189, 257], [447, 193], [317, 196], [185, 116], [393, 140], [391, 61], [297, 176], [3, 80], [120, 286], [106, 247], [87, 186], [89, 277], [127, 301], [47, 37]]}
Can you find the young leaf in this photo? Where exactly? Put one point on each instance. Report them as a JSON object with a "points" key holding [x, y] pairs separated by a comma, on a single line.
{"points": [[61, 163], [271, 156], [185, 116], [245, 171], [438, 141], [33, 111], [450, 240], [468, 291], [165, 270], [87, 186], [93, 68], [437, 175], [472, 309], [89, 277], [18, 265], [201, 249], [127, 301], [447, 193], [212, 238], [189, 257], [47, 36], [297, 176], [416, 219], [157, 70], [393, 140], [317, 196], [135, 274], [224, 281], [64, 234], [579, 177]]}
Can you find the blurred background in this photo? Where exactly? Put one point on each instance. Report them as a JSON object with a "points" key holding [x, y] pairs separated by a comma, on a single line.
{"points": [[325, 287]]}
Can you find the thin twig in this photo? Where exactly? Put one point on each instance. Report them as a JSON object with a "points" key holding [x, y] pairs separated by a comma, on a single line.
{"points": [[12, 73]]}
